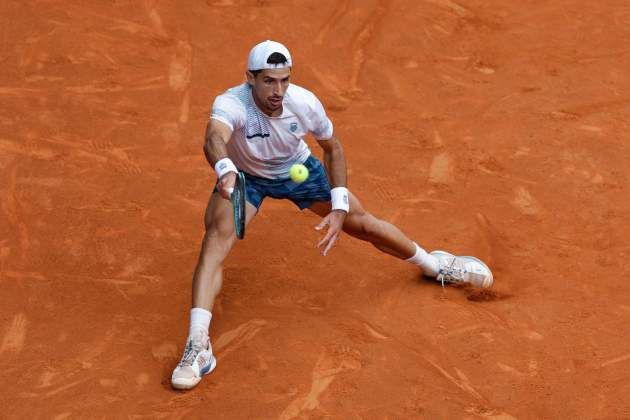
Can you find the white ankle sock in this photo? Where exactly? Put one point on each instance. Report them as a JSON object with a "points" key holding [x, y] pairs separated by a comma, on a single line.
{"points": [[427, 262], [199, 320]]}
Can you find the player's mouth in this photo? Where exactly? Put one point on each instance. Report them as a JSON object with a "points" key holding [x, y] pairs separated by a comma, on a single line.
{"points": [[275, 102]]}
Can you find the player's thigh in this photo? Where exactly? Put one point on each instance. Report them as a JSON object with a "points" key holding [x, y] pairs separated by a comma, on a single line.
{"points": [[219, 219], [357, 219]]}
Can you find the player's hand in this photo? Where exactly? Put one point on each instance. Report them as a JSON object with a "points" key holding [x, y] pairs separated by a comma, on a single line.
{"points": [[334, 220], [226, 185]]}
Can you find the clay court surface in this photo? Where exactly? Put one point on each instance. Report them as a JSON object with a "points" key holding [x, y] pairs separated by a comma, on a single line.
{"points": [[492, 128]]}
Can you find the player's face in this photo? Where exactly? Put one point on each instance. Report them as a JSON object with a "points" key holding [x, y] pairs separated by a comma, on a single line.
{"points": [[269, 87]]}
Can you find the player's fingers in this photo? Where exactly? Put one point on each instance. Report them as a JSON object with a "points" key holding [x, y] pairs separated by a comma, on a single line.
{"points": [[322, 224], [331, 242], [226, 188], [325, 239], [225, 192]]}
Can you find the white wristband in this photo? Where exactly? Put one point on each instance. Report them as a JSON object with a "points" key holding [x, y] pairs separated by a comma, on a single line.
{"points": [[224, 166], [340, 199]]}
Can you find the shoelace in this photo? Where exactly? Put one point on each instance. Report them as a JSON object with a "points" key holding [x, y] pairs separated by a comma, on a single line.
{"points": [[450, 273], [190, 353]]}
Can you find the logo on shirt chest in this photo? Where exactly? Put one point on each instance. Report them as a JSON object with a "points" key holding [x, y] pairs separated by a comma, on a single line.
{"points": [[293, 127], [254, 135]]}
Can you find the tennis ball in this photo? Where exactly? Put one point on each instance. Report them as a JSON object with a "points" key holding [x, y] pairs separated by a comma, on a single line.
{"points": [[298, 173]]}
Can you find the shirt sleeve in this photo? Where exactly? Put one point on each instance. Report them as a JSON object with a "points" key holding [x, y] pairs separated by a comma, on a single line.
{"points": [[229, 110], [321, 126]]}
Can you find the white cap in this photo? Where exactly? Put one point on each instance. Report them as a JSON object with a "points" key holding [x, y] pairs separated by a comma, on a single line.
{"points": [[260, 53]]}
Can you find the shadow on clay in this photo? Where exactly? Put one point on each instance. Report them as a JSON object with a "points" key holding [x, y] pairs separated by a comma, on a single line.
{"points": [[481, 295], [472, 293]]}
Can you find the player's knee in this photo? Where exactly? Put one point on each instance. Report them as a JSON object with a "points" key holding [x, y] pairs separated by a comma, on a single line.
{"points": [[219, 232], [218, 238]]}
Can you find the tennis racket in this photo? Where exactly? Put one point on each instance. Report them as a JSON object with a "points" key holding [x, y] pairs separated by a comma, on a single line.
{"points": [[238, 205]]}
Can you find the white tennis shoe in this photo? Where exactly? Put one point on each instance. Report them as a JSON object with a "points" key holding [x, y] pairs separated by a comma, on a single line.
{"points": [[454, 269], [197, 361]]}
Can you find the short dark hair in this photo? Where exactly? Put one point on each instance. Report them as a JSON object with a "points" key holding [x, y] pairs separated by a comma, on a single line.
{"points": [[275, 58]]}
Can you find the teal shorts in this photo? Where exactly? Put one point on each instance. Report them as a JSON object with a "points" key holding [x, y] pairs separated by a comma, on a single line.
{"points": [[315, 188]]}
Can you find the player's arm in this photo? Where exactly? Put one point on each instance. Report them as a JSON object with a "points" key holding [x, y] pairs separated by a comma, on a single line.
{"points": [[335, 163], [217, 136]]}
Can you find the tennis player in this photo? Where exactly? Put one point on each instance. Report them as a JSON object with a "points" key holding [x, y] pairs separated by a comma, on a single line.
{"points": [[258, 128]]}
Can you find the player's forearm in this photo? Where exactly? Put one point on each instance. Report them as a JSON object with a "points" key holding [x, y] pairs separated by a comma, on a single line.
{"points": [[214, 148], [335, 162]]}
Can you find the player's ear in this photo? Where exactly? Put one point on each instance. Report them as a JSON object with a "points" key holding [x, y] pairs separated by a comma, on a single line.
{"points": [[250, 77]]}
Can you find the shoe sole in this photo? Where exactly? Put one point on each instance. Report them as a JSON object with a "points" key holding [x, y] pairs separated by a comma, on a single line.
{"points": [[487, 282], [190, 383]]}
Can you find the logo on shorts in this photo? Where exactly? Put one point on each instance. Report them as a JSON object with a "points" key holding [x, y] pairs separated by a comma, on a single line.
{"points": [[293, 127]]}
